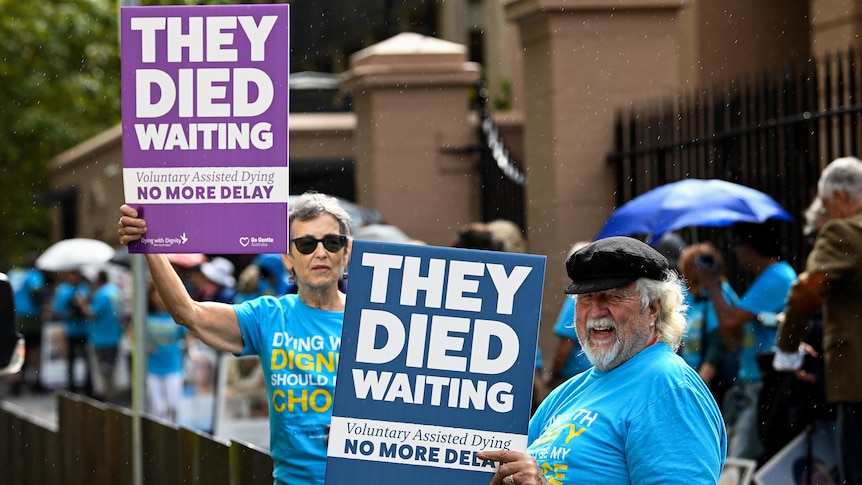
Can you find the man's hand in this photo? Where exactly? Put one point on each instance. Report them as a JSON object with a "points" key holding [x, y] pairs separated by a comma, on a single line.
{"points": [[792, 361], [801, 374], [806, 293], [515, 468]]}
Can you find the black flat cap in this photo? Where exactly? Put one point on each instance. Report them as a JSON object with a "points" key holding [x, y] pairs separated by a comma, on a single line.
{"points": [[613, 262]]}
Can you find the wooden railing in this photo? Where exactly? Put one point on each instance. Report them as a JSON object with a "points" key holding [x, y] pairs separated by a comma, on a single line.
{"points": [[91, 444]]}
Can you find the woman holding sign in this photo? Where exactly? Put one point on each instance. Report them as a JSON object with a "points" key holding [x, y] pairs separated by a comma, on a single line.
{"points": [[297, 337]]}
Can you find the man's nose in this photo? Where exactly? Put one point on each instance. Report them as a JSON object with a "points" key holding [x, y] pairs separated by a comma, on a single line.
{"points": [[598, 311], [598, 308]]}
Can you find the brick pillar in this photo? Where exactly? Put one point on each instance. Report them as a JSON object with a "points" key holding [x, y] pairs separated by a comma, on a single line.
{"points": [[583, 61], [413, 134], [835, 26]]}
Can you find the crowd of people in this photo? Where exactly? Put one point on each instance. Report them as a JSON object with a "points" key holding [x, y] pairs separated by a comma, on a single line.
{"points": [[78, 321], [653, 341]]}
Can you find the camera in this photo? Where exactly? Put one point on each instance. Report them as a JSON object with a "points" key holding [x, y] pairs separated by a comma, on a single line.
{"points": [[706, 260]]}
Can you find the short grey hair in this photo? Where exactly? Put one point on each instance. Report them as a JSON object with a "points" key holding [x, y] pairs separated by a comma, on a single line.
{"points": [[312, 204], [670, 322], [842, 174]]}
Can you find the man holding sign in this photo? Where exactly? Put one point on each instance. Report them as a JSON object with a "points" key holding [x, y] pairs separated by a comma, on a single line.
{"points": [[640, 414], [297, 337]]}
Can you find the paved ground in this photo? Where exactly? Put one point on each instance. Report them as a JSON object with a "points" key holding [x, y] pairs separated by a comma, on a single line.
{"points": [[43, 404], [40, 404]]}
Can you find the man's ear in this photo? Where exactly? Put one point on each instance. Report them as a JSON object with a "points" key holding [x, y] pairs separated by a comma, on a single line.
{"points": [[653, 309]]}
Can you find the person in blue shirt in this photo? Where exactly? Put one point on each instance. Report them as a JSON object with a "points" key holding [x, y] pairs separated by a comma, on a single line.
{"points": [[702, 347], [104, 312], [164, 346], [285, 332], [640, 414], [273, 275], [750, 325], [28, 285], [266, 275], [214, 280], [569, 359], [71, 293]]}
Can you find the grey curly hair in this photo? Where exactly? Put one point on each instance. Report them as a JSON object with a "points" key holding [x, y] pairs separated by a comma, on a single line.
{"points": [[670, 322]]}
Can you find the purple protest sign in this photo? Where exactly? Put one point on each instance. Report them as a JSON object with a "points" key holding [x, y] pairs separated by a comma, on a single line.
{"points": [[205, 127]]}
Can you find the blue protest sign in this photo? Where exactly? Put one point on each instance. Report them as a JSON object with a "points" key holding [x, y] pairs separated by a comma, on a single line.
{"points": [[437, 361]]}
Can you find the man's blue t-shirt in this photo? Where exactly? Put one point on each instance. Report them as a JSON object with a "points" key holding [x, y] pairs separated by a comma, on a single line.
{"points": [[651, 420], [107, 306], [766, 294], [565, 328], [298, 347]]}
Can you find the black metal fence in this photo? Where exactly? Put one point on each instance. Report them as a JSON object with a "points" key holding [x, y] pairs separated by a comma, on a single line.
{"points": [[502, 191], [91, 444], [773, 131]]}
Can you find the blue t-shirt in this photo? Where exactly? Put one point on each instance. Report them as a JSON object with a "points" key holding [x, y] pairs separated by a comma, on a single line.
{"points": [[279, 282], [701, 320], [164, 344], [25, 282], [565, 328], [62, 308], [651, 420], [298, 347], [766, 294], [106, 330]]}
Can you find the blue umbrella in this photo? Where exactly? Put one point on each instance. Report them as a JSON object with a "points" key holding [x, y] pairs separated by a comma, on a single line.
{"points": [[691, 202]]}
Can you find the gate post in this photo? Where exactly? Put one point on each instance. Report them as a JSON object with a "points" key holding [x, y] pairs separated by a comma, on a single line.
{"points": [[583, 61], [415, 134]]}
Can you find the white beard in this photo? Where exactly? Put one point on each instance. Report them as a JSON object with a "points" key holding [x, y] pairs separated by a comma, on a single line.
{"points": [[601, 359], [620, 352]]}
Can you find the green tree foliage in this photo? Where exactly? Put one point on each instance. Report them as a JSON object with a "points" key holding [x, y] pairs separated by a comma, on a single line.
{"points": [[59, 85]]}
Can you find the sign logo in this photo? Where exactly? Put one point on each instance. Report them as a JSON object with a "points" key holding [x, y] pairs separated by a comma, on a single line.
{"points": [[256, 241], [165, 242]]}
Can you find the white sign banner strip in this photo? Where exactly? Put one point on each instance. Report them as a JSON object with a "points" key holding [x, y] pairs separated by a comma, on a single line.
{"points": [[417, 444], [206, 185]]}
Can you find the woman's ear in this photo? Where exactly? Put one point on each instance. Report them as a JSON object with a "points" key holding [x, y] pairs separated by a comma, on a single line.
{"points": [[287, 259]]}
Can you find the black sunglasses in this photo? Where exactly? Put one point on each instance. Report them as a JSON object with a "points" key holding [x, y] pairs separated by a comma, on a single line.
{"points": [[331, 242]]}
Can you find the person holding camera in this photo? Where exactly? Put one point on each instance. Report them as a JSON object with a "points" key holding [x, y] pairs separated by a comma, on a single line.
{"points": [[702, 345], [746, 325]]}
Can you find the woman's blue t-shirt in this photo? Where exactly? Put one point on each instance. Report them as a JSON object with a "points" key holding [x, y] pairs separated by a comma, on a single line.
{"points": [[298, 347]]}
